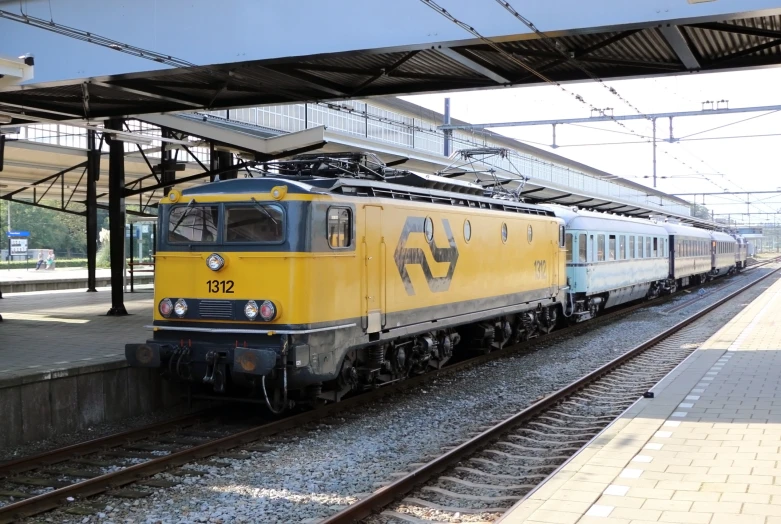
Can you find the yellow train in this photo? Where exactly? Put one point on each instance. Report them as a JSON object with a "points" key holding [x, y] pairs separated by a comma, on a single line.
{"points": [[338, 274]]}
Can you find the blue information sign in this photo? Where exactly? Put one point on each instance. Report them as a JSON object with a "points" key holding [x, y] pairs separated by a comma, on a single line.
{"points": [[18, 234]]}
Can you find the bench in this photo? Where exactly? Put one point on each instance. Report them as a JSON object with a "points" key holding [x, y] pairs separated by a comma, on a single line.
{"points": [[138, 267]]}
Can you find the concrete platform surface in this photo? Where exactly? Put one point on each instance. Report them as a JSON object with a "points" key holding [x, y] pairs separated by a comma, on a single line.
{"points": [[28, 280], [48, 332], [706, 449], [30, 275]]}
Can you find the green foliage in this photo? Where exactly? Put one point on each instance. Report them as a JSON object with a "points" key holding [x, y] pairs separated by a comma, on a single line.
{"points": [[699, 211], [103, 258], [65, 233]]}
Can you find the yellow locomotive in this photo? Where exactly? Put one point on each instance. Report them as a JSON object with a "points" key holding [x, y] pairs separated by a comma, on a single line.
{"points": [[336, 274]]}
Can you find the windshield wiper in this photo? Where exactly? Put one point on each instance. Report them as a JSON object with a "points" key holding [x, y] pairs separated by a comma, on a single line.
{"points": [[260, 206], [184, 215]]}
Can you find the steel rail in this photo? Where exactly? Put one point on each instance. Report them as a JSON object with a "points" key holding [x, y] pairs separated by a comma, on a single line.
{"points": [[58, 497], [48, 458], [388, 494], [53, 499]]}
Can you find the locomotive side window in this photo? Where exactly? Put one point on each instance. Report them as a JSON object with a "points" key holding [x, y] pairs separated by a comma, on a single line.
{"points": [[193, 224], [582, 248], [568, 245], [339, 227], [258, 223], [612, 247]]}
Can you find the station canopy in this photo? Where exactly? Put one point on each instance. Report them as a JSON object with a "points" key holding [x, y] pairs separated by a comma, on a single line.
{"points": [[641, 49]]}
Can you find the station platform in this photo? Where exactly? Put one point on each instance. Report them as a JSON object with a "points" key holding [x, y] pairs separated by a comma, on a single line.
{"points": [[706, 449], [30, 280], [62, 363]]}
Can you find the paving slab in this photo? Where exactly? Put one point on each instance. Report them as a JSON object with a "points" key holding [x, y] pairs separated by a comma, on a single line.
{"points": [[48, 334], [706, 449]]}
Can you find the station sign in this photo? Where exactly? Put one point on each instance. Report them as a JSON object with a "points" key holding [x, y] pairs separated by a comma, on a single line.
{"points": [[18, 242]]}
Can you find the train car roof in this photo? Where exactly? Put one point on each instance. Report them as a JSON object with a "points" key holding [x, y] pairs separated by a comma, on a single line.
{"points": [[590, 220], [418, 188], [722, 237], [689, 231]]}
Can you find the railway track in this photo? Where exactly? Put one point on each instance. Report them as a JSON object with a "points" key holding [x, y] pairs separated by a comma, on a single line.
{"points": [[122, 465], [481, 478]]}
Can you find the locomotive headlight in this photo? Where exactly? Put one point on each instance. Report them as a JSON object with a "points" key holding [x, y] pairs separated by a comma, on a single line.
{"points": [[267, 310], [165, 307], [215, 262], [180, 308], [251, 310]]}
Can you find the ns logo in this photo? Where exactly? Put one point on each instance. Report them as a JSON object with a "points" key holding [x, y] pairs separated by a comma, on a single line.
{"points": [[405, 256]]}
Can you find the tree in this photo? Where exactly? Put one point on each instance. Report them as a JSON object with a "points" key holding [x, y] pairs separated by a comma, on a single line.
{"points": [[702, 212]]}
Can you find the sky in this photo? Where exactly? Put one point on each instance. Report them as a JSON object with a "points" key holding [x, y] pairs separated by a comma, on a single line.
{"points": [[706, 161]]}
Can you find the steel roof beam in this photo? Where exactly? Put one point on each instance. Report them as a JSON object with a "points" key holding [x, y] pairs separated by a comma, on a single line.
{"points": [[315, 82], [746, 52], [149, 94], [472, 65], [676, 38], [553, 199], [737, 29]]}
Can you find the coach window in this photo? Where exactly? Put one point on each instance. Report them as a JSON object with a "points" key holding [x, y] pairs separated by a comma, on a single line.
{"points": [[339, 227], [568, 245], [622, 247], [611, 254], [655, 248], [632, 247], [256, 223], [582, 248], [648, 247], [666, 248], [600, 248]]}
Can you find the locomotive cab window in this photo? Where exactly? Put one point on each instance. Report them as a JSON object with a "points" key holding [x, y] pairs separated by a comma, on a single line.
{"points": [[258, 223], [193, 223], [339, 227]]}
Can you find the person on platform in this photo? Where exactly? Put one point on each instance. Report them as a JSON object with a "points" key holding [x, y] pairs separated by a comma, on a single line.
{"points": [[41, 261], [50, 260]]}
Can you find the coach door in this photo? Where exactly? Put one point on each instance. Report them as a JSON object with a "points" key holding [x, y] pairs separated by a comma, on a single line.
{"points": [[374, 271]]}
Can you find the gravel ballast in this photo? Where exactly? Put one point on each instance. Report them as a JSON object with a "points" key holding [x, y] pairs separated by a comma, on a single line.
{"points": [[312, 474]]}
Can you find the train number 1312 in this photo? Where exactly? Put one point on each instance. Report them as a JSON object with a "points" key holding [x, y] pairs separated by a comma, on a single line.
{"points": [[217, 286], [540, 269]]}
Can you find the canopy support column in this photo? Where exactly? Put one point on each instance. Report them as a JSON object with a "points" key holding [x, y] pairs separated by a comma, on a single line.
{"points": [[116, 217]]}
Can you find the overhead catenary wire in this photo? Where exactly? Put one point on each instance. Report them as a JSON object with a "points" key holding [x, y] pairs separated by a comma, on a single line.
{"points": [[546, 40]]}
